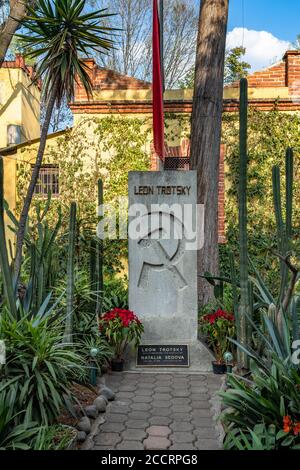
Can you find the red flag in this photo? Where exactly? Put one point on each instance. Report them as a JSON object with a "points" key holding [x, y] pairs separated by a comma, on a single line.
{"points": [[157, 79]]}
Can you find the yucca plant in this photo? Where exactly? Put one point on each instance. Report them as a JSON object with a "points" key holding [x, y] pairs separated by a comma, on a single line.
{"points": [[57, 33], [13, 434], [40, 364]]}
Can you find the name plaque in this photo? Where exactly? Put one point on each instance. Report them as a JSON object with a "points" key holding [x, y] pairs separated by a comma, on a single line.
{"points": [[169, 355]]}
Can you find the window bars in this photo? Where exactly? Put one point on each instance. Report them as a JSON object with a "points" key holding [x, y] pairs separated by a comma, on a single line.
{"points": [[48, 181]]}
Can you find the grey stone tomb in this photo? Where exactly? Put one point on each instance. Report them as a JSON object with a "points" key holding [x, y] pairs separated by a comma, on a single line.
{"points": [[163, 260]]}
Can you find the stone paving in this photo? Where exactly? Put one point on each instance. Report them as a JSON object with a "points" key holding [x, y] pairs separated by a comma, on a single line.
{"points": [[154, 411]]}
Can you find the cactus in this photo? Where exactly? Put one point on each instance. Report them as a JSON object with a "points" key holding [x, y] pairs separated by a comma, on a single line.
{"points": [[70, 273], [99, 257], [92, 264], [7, 278], [243, 330]]}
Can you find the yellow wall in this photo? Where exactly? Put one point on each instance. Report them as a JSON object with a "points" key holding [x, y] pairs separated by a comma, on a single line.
{"points": [[19, 105], [187, 94]]}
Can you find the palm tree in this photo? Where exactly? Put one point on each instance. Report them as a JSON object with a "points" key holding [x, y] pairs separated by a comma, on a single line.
{"points": [[58, 33]]}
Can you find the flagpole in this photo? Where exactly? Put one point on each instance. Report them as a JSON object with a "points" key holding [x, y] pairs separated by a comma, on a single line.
{"points": [[158, 80]]}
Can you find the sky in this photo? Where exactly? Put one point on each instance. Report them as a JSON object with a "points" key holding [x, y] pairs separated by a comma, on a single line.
{"points": [[266, 28]]}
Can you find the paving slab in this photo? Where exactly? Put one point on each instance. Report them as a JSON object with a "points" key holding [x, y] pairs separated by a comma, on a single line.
{"points": [[154, 411]]}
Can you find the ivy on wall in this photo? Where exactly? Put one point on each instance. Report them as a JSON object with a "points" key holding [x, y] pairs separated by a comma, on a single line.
{"points": [[96, 148], [269, 134]]}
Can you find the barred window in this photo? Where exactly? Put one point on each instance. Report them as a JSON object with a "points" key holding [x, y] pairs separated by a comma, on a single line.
{"points": [[48, 181], [177, 163]]}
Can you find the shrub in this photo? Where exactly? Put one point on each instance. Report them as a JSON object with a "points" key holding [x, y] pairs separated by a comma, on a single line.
{"points": [[121, 327], [41, 366], [115, 294], [55, 437], [13, 436], [269, 398], [218, 327]]}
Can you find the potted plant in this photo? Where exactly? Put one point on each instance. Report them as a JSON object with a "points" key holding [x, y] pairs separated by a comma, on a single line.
{"points": [[120, 327], [218, 328]]}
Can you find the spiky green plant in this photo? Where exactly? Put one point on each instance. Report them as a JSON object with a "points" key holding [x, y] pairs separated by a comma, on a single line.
{"points": [[243, 333], [71, 273], [7, 278], [40, 364], [40, 255], [99, 257], [58, 33]]}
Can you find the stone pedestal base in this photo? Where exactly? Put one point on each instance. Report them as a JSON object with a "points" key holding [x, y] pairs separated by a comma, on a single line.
{"points": [[200, 359]]}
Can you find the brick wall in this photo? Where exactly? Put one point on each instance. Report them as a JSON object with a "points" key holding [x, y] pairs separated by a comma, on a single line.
{"points": [[105, 79], [274, 76], [292, 60], [285, 73]]}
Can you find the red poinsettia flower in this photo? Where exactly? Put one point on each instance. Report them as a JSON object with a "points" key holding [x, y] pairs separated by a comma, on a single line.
{"points": [[296, 428], [212, 317], [287, 424]]}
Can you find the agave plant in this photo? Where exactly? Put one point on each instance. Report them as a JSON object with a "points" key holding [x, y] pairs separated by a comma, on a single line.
{"points": [[41, 254], [57, 33]]}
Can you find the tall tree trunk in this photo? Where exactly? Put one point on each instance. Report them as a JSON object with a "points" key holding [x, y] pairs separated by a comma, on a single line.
{"points": [[9, 27], [33, 181], [206, 129]]}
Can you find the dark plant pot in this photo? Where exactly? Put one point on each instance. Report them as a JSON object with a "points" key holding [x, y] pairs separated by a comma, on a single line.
{"points": [[117, 365], [218, 368]]}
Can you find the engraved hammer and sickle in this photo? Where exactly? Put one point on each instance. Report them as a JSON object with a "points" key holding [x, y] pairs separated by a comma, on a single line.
{"points": [[166, 262]]}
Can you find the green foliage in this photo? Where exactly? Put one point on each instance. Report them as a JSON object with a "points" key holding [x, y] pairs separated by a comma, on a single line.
{"points": [[13, 436], [115, 294], [55, 437], [85, 329], [115, 145], [260, 438], [40, 267], [244, 308], [56, 34], [260, 404], [7, 278], [269, 134], [218, 328], [121, 327], [70, 273], [235, 67], [40, 365]]}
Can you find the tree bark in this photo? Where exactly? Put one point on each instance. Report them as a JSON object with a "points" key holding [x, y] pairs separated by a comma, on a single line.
{"points": [[33, 181], [206, 130], [10, 26]]}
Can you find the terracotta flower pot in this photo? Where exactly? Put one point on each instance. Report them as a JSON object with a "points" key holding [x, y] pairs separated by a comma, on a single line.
{"points": [[218, 368], [117, 365]]}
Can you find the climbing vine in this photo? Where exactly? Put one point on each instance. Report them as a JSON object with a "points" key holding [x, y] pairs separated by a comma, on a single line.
{"points": [[270, 133], [96, 148]]}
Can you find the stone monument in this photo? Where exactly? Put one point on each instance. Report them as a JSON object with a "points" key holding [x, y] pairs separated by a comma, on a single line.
{"points": [[163, 245]]}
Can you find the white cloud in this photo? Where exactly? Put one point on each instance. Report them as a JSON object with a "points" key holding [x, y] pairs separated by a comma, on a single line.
{"points": [[262, 48]]}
